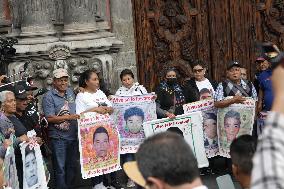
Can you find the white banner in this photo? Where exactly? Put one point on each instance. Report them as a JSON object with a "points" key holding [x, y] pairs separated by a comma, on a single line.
{"points": [[234, 121], [189, 126], [34, 175], [209, 114], [10, 170], [129, 115], [98, 145]]}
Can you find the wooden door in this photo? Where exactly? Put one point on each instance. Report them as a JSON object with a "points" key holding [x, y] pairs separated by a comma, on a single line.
{"points": [[176, 32]]}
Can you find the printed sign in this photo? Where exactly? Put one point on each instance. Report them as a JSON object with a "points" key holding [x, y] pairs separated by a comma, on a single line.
{"points": [[129, 115], [189, 126], [209, 114], [98, 145], [234, 121]]}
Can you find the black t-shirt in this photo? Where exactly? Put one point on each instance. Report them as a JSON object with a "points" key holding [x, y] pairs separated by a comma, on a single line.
{"points": [[18, 126], [30, 119]]}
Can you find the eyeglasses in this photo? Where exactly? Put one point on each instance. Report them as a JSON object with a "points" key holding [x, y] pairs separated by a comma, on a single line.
{"points": [[198, 70]]}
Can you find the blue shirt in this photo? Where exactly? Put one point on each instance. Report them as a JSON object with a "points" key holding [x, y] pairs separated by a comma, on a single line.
{"points": [[266, 86], [52, 104]]}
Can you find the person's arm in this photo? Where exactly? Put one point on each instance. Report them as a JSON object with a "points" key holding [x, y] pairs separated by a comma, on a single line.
{"points": [[49, 111], [268, 161], [260, 99], [225, 103]]}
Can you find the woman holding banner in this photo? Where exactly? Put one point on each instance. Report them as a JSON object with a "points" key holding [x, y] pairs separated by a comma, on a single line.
{"points": [[129, 88], [170, 96], [93, 100], [199, 87]]}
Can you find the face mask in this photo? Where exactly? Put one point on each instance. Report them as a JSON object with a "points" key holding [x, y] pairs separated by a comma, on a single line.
{"points": [[171, 81]]}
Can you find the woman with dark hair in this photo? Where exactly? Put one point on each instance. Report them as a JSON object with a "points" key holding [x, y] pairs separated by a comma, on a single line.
{"points": [[199, 87], [170, 96], [93, 100]]}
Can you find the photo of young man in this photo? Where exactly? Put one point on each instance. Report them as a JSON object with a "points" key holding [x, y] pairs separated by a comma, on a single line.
{"points": [[101, 142]]}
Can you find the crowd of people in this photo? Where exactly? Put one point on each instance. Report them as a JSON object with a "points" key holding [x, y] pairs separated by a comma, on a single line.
{"points": [[164, 160]]}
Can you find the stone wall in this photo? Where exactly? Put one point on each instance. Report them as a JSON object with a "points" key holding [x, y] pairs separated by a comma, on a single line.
{"points": [[123, 28], [74, 37]]}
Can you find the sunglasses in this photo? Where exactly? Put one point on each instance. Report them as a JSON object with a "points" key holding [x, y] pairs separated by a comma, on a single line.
{"points": [[198, 70]]}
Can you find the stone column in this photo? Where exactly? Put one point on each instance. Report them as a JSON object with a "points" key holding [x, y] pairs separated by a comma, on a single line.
{"points": [[36, 16], [2, 16], [79, 15]]}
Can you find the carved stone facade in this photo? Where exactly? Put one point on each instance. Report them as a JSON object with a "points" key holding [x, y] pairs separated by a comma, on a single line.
{"points": [[72, 34]]}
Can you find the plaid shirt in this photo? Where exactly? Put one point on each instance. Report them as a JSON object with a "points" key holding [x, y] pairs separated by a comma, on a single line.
{"points": [[219, 93], [268, 171]]}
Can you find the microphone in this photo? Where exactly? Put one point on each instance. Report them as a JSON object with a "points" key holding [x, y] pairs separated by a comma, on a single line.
{"points": [[41, 92]]}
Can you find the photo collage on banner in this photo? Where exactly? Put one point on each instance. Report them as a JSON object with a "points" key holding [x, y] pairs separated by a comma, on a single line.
{"points": [[261, 118], [10, 170], [234, 121], [209, 114], [34, 174], [187, 125], [129, 115], [98, 145]]}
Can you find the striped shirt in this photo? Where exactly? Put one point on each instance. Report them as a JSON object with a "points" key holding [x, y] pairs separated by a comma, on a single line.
{"points": [[268, 161]]}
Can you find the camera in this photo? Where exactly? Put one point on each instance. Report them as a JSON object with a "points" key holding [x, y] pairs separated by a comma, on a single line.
{"points": [[271, 53]]}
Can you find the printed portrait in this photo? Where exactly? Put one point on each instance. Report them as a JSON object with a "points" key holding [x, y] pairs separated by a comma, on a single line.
{"points": [[205, 94], [30, 167], [210, 130], [134, 118]]}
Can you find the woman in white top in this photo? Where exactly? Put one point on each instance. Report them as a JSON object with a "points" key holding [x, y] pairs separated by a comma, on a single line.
{"points": [[129, 88], [93, 100]]}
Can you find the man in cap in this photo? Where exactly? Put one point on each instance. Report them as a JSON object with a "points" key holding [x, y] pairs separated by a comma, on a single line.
{"points": [[265, 92], [165, 161], [233, 86], [59, 109]]}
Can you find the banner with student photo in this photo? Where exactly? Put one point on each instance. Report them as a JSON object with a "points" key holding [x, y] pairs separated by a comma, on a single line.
{"points": [[10, 170], [209, 114], [187, 125], [234, 121], [129, 115], [260, 122], [98, 145], [34, 174]]}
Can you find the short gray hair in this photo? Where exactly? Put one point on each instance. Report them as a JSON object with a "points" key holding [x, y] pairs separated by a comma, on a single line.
{"points": [[3, 96]]}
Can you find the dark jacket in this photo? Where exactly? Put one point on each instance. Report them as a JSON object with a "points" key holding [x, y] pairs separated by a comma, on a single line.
{"points": [[165, 103], [191, 91]]}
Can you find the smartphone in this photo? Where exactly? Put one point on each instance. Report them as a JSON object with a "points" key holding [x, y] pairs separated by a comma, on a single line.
{"points": [[225, 182]]}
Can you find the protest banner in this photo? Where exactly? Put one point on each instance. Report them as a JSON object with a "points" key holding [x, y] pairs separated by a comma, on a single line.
{"points": [[98, 145], [209, 114], [187, 125], [234, 121], [262, 116], [34, 175], [129, 115], [10, 170]]}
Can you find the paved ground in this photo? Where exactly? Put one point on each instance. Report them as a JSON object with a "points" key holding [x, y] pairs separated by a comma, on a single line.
{"points": [[208, 180]]}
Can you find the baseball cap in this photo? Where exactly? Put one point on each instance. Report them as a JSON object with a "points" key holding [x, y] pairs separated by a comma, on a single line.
{"points": [[20, 92], [260, 59], [232, 64], [132, 171], [27, 85], [59, 73]]}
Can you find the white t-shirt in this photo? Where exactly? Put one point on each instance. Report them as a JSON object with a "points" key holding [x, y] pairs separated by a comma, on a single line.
{"points": [[86, 101], [205, 84], [135, 90]]}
